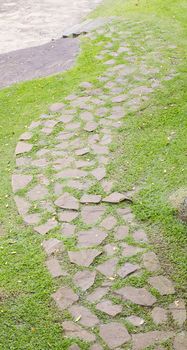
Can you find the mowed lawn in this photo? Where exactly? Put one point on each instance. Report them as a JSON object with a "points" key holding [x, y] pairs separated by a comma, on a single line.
{"points": [[144, 154]]}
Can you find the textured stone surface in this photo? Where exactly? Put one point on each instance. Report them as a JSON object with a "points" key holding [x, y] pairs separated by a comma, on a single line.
{"points": [[73, 330], [65, 297], [92, 214], [114, 334], [84, 279], [127, 269], [22, 204], [91, 237], [45, 228], [178, 311], [55, 268], [139, 296], [99, 173], [85, 316], [108, 267], [114, 197], [23, 147], [162, 284], [121, 232], [129, 250], [83, 257], [140, 236], [97, 294], [109, 308], [68, 230], [20, 181], [180, 341], [67, 201], [135, 320], [109, 222], [151, 261], [37, 193], [143, 340], [68, 215], [52, 246], [90, 198], [110, 249], [159, 315]]}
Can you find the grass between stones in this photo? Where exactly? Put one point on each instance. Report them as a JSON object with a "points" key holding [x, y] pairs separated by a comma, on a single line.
{"points": [[143, 153]]}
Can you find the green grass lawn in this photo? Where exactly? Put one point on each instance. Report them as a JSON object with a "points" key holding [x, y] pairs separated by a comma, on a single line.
{"points": [[144, 154]]}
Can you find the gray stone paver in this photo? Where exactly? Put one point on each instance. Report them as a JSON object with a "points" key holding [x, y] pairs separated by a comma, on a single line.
{"points": [[106, 244]]}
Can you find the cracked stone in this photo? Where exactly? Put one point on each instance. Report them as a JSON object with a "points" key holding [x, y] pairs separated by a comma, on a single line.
{"points": [[20, 181], [83, 257], [159, 315], [56, 107], [140, 236], [72, 330], [45, 228], [108, 267], [139, 296], [23, 147], [151, 262], [68, 215], [121, 233], [143, 340], [67, 201], [162, 284], [110, 249], [91, 237], [68, 230], [180, 341], [22, 204], [109, 222], [114, 334], [129, 250], [52, 246], [90, 198], [127, 269], [178, 311], [84, 279], [99, 173], [109, 308], [92, 214], [87, 318], [135, 320], [65, 297], [55, 268], [37, 193], [97, 294]]}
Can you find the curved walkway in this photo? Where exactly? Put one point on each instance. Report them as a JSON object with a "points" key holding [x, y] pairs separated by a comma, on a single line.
{"points": [[110, 286]]}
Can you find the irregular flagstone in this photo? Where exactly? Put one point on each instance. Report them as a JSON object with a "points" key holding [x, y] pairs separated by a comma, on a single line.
{"points": [[83, 257], [56, 107], [65, 118], [126, 214], [127, 269], [32, 219], [99, 149], [72, 330], [23, 161], [45, 228], [130, 250], [151, 262], [114, 334], [140, 236], [77, 184], [180, 341], [178, 311], [22, 204], [82, 151], [159, 315], [109, 222], [108, 267], [99, 173], [68, 230], [84, 279], [109, 308], [67, 201], [65, 297], [26, 136], [162, 284], [91, 237], [110, 249], [68, 215], [90, 126], [71, 173], [135, 320], [55, 268], [23, 147], [139, 296], [90, 198], [37, 193], [143, 340], [52, 246], [83, 163], [107, 185], [85, 316], [92, 214], [97, 294], [121, 233]]}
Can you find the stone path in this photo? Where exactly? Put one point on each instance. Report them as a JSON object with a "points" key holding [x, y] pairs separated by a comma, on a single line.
{"points": [[110, 287]]}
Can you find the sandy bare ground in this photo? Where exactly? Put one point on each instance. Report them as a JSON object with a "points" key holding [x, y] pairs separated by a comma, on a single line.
{"points": [[28, 23]]}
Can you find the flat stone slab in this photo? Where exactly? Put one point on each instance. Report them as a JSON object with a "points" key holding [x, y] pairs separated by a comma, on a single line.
{"points": [[91, 237], [83, 257], [159, 315], [23, 147], [72, 330], [52, 246], [85, 317], [55, 268], [45, 228], [68, 215], [90, 126], [114, 334], [110, 249], [135, 320], [162, 284], [109, 308], [32, 219], [129, 250], [84, 279], [90, 198], [143, 340], [140, 236], [127, 269], [121, 233], [67, 201], [108, 267], [22, 204], [99, 173], [65, 297], [37, 193], [68, 230], [26, 136], [114, 197], [20, 181], [56, 107], [180, 341], [139, 296], [109, 222], [178, 311], [97, 294], [71, 173], [92, 214], [151, 262]]}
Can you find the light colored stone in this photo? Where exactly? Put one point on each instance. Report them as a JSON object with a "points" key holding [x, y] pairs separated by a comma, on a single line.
{"points": [[162, 284]]}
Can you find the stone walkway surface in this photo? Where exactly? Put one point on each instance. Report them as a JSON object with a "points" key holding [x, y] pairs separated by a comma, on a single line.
{"points": [[109, 285]]}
